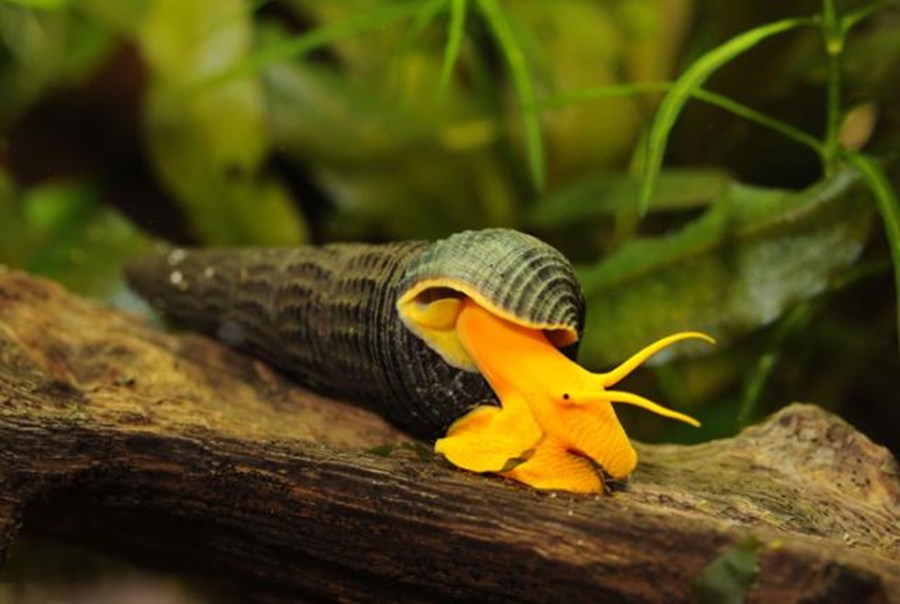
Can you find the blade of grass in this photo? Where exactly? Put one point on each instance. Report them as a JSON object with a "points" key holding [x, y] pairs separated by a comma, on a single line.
{"points": [[42, 4], [426, 14], [888, 206], [689, 82], [850, 20], [833, 38], [712, 98], [523, 83], [796, 320], [454, 43], [762, 119], [384, 16]]}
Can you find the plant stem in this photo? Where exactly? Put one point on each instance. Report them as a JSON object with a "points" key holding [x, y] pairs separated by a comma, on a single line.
{"points": [[454, 44], [795, 320], [888, 205], [833, 37]]}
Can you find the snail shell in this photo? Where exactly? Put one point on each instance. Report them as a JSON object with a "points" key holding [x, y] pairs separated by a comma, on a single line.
{"points": [[354, 320]]}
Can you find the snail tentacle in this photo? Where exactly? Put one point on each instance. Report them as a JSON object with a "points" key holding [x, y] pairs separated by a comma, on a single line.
{"points": [[613, 377]]}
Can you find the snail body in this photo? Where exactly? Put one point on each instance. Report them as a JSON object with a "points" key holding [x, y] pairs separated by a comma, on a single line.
{"points": [[468, 342]]}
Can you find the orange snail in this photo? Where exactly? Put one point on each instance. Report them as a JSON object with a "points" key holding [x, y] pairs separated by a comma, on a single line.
{"points": [[467, 342]]}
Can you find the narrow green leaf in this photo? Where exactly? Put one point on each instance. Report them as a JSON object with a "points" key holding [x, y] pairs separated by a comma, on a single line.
{"points": [[685, 87], [50, 5], [728, 578], [795, 320], [751, 115], [383, 16], [888, 207], [18, 241], [454, 43], [523, 82], [850, 20], [427, 13], [712, 98]]}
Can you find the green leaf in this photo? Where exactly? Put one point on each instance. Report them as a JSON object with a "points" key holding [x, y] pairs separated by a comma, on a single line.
{"points": [[731, 575], [750, 257], [888, 206], [850, 20], [15, 242], [686, 86], [122, 17], [606, 195], [40, 50], [49, 5], [757, 376], [208, 147], [314, 111], [385, 15], [73, 238], [424, 16], [499, 22], [712, 98], [378, 183], [751, 115], [454, 43]]}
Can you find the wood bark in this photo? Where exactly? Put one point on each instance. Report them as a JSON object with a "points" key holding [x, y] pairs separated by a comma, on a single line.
{"points": [[176, 452]]}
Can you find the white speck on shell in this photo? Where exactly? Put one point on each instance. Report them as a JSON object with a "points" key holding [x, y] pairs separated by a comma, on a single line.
{"points": [[177, 279], [176, 256]]}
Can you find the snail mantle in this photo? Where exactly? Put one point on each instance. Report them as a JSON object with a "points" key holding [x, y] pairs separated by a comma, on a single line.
{"points": [[115, 435]]}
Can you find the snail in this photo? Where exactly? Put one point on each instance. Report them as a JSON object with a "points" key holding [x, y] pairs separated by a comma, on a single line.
{"points": [[468, 342]]}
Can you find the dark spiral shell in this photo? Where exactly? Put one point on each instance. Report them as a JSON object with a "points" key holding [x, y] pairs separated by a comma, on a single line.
{"points": [[520, 276], [327, 315]]}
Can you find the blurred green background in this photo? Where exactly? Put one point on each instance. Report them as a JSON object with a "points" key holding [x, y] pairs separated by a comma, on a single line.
{"points": [[771, 224], [305, 121]]}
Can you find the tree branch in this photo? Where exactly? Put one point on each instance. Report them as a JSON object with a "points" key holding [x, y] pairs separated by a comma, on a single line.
{"points": [[182, 454]]}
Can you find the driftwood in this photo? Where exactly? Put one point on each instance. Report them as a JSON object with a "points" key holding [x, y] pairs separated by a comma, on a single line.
{"points": [[176, 452]]}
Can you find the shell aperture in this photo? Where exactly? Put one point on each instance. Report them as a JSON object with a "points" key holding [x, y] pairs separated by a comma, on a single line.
{"points": [[512, 274]]}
